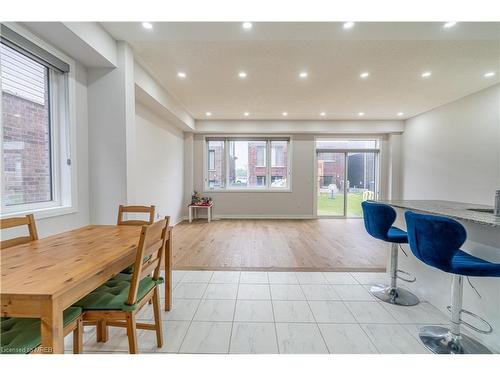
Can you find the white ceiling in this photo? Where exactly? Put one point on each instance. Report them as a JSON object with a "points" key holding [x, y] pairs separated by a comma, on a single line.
{"points": [[273, 55]]}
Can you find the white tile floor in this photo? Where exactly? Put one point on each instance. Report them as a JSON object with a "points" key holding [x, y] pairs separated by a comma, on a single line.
{"points": [[276, 312]]}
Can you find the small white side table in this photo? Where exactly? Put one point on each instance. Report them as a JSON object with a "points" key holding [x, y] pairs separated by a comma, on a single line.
{"points": [[192, 210]]}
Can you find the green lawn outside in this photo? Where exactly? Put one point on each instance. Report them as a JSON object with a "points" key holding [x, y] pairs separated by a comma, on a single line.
{"points": [[329, 206]]}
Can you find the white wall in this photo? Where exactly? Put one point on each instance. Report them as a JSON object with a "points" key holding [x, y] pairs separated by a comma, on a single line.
{"points": [[453, 152], [111, 123], [159, 175], [297, 203]]}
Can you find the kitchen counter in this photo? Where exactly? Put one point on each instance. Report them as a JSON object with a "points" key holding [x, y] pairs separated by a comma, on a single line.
{"points": [[456, 210]]}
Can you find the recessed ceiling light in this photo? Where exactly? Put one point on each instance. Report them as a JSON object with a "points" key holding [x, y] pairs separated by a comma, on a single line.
{"points": [[247, 25], [181, 74], [322, 114], [285, 113], [303, 75], [364, 75], [447, 25], [400, 114], [242, 74], [246, 114], [489, 74], [209, 114], [361, 114], [147, 25], [426, 74], [348, 25], [17, 115]]}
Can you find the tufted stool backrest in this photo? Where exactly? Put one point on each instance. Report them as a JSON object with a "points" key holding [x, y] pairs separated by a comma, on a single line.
{"points": [[434, 239], [378, 219]]}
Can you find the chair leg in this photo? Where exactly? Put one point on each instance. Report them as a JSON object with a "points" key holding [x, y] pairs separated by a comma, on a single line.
{"points": [[393, 294], [78, 338], [158, 322], [98, 331], [131, 333], [104, 331], [441, 340]]}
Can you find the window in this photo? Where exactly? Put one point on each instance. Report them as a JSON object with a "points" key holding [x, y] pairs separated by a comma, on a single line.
{"points": [[260, 164], [216, 173], [35, 150], [211, 160], [261, 156]]}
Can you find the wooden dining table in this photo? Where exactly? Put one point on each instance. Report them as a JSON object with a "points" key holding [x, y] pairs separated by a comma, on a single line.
{"points": [[44, 277]]}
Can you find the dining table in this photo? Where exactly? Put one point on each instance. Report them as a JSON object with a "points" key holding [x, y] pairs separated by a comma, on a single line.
{"points": [[42, 278]]}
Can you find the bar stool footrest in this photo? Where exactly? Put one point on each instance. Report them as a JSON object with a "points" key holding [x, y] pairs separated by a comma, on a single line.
{"points": [[474, 328]]}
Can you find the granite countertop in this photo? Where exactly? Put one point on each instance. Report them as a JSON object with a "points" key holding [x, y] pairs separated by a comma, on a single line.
{"points": [[456, 210]]}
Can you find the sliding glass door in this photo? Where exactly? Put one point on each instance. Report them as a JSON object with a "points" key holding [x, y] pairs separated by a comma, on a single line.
{"points": [[331, 184], [345, 178]]}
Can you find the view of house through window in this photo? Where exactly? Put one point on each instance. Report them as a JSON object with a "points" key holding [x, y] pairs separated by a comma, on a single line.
{"points": [[27, 154], [252, 163]]}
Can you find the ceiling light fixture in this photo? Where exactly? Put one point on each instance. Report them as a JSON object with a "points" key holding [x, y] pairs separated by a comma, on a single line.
{"points": [[285, 113], [209, 114], [322, 114], [400, 114], [361, 114], [181, 75], [247, 25], [426, 74], [364, 75], [489, 74], [147, 25], [303, 75], [242, 75], [447, 25], [246, 114], [348, 25]]}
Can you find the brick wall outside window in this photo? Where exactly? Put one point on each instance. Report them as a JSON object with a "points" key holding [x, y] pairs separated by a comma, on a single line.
{"points": [[26, 150]]}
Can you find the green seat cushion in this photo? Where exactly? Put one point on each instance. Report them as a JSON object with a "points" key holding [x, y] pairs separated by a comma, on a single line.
{"points": [[113, 294], [22, 335], [130, 269]]}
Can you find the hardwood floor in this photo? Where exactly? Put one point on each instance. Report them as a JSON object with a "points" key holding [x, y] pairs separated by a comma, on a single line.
{"points": [[277, 245]]}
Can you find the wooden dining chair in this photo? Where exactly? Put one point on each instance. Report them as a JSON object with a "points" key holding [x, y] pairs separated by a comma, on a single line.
{"points": [[13, 222], [22, 335], [116, 302], [122, 210], [136, 210]]}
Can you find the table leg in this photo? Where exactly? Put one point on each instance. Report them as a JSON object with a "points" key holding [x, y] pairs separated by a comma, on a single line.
{"points": [[209, 214], [52, 328], [168, 272], [190, 214]]}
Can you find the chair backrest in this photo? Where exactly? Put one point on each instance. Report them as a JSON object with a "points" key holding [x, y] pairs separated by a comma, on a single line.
{"points": [[149, 255], [378, 218], [434, 239], [136, 210], [13, 222]]}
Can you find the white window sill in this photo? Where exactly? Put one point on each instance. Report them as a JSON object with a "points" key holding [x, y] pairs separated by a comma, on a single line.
{"points": [[247, 191], [43, 213]]}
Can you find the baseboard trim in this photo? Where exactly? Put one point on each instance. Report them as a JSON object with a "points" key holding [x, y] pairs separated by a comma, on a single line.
{"points": [[250, 217]]}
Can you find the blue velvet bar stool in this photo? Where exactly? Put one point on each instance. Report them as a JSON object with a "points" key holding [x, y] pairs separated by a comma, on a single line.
{"points": [[436, 241], [378, 218]]}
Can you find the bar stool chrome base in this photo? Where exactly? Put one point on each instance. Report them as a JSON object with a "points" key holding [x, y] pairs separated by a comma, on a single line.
{"points": [[440, 340], [394, 296]]}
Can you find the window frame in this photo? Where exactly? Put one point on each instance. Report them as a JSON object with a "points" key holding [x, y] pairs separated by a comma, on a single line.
{"points": [[264, 189], [62, 138]]}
